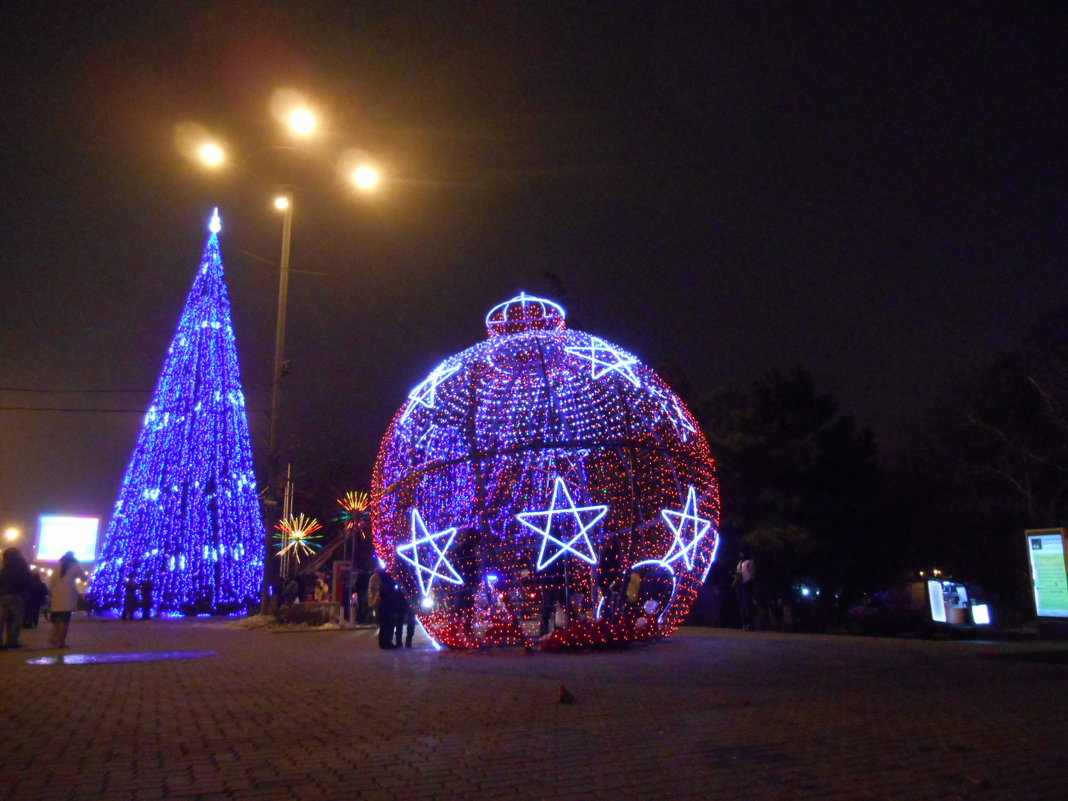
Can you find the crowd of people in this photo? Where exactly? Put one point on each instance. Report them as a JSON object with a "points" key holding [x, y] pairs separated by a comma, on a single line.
{"points": [[23, 594]]}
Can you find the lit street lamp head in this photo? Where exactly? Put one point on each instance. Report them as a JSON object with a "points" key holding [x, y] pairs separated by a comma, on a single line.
{"points": [[365, 177], [281, 202], [302, 121], [211, 154]]}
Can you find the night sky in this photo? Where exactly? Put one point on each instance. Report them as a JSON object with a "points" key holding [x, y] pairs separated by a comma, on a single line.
{"points": [[874, 191]]}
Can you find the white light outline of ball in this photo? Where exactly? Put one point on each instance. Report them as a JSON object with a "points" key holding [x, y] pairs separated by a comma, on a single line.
{"points": [[674, 582]]}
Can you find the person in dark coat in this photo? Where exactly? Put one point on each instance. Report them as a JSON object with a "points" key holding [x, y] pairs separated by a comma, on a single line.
{"points": [[146, 599], [405, 620], [129, 599], [15, 582], [388, 593], [35, 598]]}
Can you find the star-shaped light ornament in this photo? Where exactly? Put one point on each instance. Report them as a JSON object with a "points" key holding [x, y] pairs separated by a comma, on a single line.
{"points": [[435, 565], [604, 359], [670, 408], [425, 393], [689, 529], [579, 519]]}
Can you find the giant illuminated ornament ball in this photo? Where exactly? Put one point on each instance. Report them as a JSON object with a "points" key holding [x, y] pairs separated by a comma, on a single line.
{"points": [[545, 487]]}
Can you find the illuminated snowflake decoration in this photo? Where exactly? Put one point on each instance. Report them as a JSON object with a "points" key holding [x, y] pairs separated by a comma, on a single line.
{"points": [[552, 465]]}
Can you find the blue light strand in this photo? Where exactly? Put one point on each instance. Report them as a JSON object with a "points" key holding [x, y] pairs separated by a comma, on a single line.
{"points": [[187, 518]]}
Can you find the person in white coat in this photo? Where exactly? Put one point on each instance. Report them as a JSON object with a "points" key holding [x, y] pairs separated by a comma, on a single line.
{"points": [[64, 597]]}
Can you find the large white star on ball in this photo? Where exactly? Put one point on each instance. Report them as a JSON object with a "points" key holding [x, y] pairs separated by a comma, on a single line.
{"points": [[671, 408], [425, 393], [582, 517], [603, 359], [435, 553], [684, 523]]}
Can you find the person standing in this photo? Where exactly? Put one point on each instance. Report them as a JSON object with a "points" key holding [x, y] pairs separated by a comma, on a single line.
{"points": [[744, 578], [404, 620], [15, 584], [387, 609], [374, 587], [64, 597], [35, 597], [129, 599], [146, 599], [322, 589]]}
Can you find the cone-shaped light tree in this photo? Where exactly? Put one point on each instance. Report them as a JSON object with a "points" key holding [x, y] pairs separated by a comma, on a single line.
{"points": [[187, 519]]}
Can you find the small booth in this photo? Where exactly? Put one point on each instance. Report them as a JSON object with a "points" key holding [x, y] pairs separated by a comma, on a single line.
{"points": [[952, 604]]}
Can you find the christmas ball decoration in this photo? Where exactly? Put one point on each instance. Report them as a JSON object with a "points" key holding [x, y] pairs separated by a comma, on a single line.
{"points": [[544, 487]]}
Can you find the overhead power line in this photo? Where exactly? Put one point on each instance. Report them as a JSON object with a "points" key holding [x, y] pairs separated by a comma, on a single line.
{"points": [[66, 409], [74, 391]]}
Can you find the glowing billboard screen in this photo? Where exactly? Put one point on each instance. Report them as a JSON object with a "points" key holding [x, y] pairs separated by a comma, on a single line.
{"points": [[58, 534], [1048, 574]]}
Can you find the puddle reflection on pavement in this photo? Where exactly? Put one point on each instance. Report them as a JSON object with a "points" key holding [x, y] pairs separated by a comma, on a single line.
{"points": [[107, 659]]}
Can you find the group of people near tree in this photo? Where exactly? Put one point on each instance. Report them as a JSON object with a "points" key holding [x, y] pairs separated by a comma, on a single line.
{"points": [[392, 610], [137, 595], [22, 594]]}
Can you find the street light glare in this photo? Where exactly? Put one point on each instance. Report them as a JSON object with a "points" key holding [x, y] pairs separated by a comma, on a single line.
{"points": [[281, 203], [211, 154], [302, 121], [12, 534], [365, 177]]}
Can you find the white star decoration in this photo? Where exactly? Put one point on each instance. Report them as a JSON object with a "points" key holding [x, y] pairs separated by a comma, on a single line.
{"points": [[425, 393], [579, 544], [435, 553], [673, 411], [603, 359], [682, 523]]}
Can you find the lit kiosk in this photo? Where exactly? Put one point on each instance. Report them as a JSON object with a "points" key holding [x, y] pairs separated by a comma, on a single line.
{"points": [[1049, 580]]}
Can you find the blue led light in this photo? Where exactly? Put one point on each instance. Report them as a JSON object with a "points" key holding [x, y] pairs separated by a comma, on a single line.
{"points": [[579, 543], [683, 524], [421, 536], [187, 518]]}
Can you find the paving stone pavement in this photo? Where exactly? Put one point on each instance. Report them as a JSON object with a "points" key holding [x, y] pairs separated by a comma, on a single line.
{"points": [[708, 713]]}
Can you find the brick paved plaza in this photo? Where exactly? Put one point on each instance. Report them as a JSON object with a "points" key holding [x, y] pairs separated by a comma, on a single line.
{"points": [[709, 713]]}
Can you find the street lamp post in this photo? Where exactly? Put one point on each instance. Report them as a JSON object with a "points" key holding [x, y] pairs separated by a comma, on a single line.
{"points": [[301, 122], [274, 467]]}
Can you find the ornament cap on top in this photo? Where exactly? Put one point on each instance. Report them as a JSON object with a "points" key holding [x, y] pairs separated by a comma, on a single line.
{"points": [[525, 313], [216, 222]]}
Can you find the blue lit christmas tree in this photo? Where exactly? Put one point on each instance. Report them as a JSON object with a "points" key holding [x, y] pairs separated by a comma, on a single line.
{"points": [[187, 518]]}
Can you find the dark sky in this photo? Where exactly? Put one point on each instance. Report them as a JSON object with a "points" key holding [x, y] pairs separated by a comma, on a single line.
{"points": [[875, 191]]}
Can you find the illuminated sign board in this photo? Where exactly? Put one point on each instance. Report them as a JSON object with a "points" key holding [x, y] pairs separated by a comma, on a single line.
{"points": [[58, 534], [1048, 574]]}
